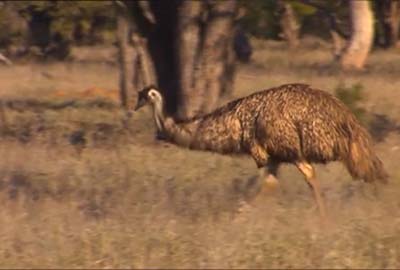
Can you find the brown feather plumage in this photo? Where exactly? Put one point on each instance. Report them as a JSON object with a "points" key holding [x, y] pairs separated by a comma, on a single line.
{"points": [[291, 123], [288, 123]]}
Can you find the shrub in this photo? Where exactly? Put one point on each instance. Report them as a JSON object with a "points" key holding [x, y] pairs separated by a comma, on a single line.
{"points": [[352, 96]]}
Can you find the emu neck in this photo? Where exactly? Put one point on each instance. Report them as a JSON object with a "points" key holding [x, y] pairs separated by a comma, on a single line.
{"points": [[177, 133], [159, 117]]}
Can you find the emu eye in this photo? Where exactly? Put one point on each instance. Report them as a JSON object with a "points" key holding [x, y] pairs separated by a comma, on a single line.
{"points": [[152, 95]]}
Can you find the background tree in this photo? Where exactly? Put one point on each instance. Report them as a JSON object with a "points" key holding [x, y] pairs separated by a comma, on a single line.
{"points": [[186, 47], [52, 27], [289, 24], [388, 15], [136, 70], [359, 45], [183, 46], [290, 20]]}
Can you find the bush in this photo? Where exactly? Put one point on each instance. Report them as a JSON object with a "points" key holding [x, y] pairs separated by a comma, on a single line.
{"points": [[352, 96]]}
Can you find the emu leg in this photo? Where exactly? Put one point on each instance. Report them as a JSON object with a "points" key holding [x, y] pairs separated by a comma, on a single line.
{"points": [[309, 173], [260, 156], [269, 176], [267, 168], [269, 185]]}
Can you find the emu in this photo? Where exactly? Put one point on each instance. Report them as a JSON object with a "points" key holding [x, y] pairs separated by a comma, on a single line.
{"points": [[291, 123]]}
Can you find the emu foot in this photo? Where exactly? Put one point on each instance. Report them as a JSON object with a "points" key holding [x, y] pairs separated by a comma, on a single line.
{"points": [[259, 192], [269, 186]]}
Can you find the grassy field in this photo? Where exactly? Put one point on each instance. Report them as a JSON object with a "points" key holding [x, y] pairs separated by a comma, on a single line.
{"points": [[129, 201]]}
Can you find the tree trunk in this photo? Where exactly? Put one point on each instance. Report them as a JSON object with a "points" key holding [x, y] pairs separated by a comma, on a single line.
{"points": [[183, 45], [3, 118], [218, 41], [163, 49], [39, 29], [205, 64], [189, 42], [230, 69], [136, 69], [389, 17], [289, 24], [394, 22], [127, 57], [356, 52]]}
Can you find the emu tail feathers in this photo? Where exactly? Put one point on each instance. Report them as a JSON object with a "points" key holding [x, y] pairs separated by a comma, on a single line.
{"points": [[361, 161]]}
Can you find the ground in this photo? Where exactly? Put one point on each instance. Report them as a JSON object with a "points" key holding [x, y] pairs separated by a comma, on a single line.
{"points": [[83, 187]]}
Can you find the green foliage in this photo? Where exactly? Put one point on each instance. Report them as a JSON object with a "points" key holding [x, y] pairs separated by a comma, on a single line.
{"points": [[67, 15], [352, 96], [261, 19], [92, 19], [303, 9]]}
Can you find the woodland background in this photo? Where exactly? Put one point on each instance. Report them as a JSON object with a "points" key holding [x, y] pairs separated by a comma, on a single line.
{"points": [[85, 185]]}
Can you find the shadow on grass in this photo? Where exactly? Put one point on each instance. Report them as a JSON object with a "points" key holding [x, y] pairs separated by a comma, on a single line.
{"points": [[380, 126], [35, 105]]}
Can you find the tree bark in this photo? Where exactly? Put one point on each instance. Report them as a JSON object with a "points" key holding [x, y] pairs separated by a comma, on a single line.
{"points": [[186, 46], [356, 52], [3, 118], [394, 22], [289, 24], [228, 79], [218, 41], [389, 17], [136, 68], [188, 43], [39, 29], [163, 49], [127, 57], [205, 63]]}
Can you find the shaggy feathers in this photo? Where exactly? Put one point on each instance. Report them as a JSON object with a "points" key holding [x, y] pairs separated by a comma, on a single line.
{"points": [[289, 123]]}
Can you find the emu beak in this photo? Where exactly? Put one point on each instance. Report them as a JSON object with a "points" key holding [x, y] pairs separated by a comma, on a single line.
{"points": [[139, 104]]}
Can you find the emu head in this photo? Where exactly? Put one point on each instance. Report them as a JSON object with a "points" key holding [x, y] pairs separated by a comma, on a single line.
{"points": [[150, 95]]}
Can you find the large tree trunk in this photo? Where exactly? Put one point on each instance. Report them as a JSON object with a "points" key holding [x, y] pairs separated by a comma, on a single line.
{"points": [[218, 42], [163, 49], [136, 69], [126, 57], [389, 17], [355, 54], [188, 57], [186, 47], [205, 43], [39, 29]]}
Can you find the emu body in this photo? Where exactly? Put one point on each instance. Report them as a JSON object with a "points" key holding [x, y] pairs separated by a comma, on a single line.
{"points": [[291, 123]]}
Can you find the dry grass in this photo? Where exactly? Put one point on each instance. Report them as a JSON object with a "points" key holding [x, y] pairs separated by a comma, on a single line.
{"points": [[128, 201]]}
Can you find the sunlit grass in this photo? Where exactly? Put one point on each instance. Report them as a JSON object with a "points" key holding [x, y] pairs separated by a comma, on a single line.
{"points": [[128, 201]]}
